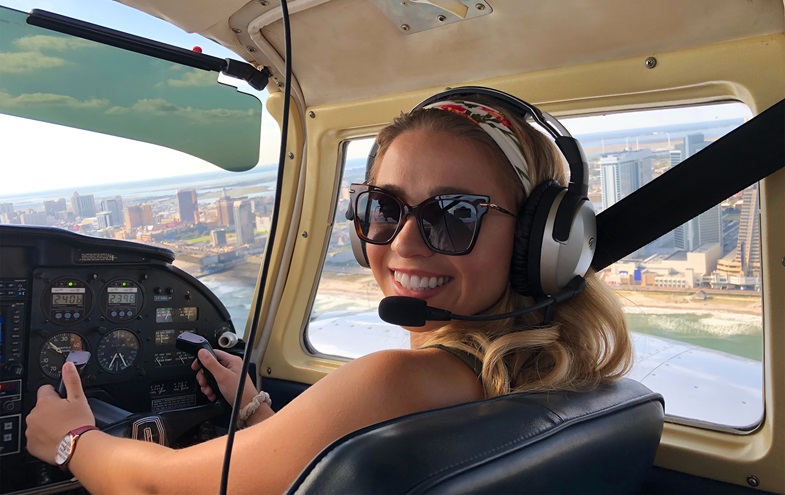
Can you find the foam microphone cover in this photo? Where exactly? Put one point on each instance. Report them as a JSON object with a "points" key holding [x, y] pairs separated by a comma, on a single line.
{"points": [[404, 311]]}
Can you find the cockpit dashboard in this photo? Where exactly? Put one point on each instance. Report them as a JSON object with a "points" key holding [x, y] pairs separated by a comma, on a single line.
{"points": [[123, 302]]}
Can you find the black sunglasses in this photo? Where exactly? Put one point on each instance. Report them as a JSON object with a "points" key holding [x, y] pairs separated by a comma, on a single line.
{"points": [[449, 223]]}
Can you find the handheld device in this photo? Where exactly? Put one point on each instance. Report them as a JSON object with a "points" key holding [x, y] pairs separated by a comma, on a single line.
{"points": [[191, 343], [80, 359]]}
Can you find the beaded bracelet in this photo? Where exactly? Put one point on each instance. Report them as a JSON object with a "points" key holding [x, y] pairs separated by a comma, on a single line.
{"points": [[251, 407]]}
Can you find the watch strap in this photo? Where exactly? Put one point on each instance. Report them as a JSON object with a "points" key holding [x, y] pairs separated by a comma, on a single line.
{"points": [[72, 437]]}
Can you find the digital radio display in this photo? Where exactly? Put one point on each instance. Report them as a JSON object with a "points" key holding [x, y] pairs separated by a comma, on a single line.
{"points": [[121, 298], [67, 299]]}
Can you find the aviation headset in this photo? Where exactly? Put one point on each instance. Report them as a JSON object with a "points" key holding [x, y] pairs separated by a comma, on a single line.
{"points": [[556, 227]]}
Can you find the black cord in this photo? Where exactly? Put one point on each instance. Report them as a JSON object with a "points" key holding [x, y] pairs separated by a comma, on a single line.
{"points": [[270, 241]]}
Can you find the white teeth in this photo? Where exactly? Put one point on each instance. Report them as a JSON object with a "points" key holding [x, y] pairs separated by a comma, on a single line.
{"points": [[419, 283]]}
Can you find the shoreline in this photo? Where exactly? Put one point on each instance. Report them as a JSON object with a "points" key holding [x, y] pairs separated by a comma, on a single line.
{"points": [[361, 291], [685, 303]]}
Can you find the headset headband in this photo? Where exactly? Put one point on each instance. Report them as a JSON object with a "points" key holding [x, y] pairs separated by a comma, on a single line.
{"points": [[578, 186]]}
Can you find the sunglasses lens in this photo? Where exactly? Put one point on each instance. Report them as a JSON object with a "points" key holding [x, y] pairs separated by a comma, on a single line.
{"points": [[378, 215], [450, 225]]}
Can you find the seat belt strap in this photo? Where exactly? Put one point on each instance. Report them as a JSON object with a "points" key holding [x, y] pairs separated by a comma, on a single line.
{"points": [[739, 159]]}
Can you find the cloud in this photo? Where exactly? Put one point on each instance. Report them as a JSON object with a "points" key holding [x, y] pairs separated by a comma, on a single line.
{"points": [[48, 100], [194, 78], [21, 62], [31, 57], [42, 42], [159, 107]]}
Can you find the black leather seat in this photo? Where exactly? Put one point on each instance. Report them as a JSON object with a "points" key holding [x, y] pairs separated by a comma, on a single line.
{"points": [[601, 441]]}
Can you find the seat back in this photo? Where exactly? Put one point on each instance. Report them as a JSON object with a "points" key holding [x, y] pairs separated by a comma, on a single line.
{"points": [[601, 441]]}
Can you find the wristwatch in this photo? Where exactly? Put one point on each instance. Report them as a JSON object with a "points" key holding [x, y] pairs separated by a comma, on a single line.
{"points": [[68, 444]]}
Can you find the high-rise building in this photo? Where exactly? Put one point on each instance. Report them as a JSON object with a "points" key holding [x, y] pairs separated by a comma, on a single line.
{"points": [[52, 207], [147, 215], [104, 219], [188, 207], [675, 157], [7, 213], [623, 173], [747, 260], [115, 208], [742, 266], [32, 217], [692, 144], [748, 245], [244, 222], [706, 227], [83, 206], [225, 210], [133, 217]]}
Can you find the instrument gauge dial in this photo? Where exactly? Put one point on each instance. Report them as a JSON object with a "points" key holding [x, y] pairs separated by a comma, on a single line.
{"points": [[118, 350], [56, 348]]}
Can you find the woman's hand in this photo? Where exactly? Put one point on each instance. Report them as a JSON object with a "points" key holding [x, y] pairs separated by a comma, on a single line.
{"points": [[226, 372], [53, 417]]}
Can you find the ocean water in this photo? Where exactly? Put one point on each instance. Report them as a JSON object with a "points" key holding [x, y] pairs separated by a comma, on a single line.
{"points": [[234, 293], [738, 334]]}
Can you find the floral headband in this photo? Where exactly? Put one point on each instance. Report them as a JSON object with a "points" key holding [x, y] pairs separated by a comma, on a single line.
{"points": [[497, 126]]}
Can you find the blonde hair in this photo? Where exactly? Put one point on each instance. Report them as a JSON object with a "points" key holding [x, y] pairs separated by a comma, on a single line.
{"points": [[586, 342]]}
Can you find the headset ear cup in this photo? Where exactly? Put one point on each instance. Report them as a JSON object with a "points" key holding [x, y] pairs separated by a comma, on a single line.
{"points": [[524, 271], [358, 246]]}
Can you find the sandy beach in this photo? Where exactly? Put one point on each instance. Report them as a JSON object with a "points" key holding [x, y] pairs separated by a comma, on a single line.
{"points": [[688, 302], [362, 291]]}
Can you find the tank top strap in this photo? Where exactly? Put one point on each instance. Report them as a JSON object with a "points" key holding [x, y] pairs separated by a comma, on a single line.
{"points": [[470, 360]]}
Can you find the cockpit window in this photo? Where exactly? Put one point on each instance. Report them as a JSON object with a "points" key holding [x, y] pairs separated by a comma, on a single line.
{"points": [[692, 298], [113, 144]]}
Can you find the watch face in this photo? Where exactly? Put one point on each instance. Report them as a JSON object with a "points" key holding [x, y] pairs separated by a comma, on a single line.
{"points": [[64, 449]]}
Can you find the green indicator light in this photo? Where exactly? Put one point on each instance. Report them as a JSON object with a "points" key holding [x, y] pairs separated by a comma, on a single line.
{"points": [[124, 284], [70, 284]]}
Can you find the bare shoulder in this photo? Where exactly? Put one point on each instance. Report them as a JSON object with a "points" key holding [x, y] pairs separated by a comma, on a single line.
{"points": [[371, 389], [418, 379]]}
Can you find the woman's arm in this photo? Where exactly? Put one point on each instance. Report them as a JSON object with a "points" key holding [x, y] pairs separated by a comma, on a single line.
{"points": [[267, 457]]}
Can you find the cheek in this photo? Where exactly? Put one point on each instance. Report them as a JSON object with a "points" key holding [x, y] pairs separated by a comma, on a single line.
{"points": [[376, 258], [489, 272]]}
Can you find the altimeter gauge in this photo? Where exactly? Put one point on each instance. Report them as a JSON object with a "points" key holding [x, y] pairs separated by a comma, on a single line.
{"points": [[118, 350]]}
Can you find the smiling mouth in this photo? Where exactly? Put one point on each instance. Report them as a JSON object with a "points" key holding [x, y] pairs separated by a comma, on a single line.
{"points": [[419, 283]]}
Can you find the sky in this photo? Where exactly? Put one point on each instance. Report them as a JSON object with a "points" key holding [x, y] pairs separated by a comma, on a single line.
{"points": [[46, 146]]}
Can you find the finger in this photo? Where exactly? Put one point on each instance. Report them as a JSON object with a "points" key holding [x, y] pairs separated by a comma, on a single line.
{"points": [[209, 361], [195, 365], [72, 382], [208, 392], [200, 379], [229, 360], [46, 391], [223, 357]]}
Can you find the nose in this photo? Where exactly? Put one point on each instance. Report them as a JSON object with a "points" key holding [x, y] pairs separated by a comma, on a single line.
{"points": [[409, 242]]}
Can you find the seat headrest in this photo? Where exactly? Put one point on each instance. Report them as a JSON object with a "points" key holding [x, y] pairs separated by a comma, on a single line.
{"points": [[602, 441]]}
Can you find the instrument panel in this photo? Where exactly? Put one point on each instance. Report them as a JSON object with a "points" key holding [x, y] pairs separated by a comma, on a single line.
{"points": [[125, 303]]}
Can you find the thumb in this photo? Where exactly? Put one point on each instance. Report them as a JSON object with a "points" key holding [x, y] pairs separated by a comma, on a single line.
{"points": [[72, 382], [209, 362]]}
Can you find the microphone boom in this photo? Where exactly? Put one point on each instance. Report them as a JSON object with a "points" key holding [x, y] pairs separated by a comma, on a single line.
{"points": [[413, 312]]}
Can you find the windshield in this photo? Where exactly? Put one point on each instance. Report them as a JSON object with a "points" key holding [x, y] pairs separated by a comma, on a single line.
{"points": [[113, 144]]}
